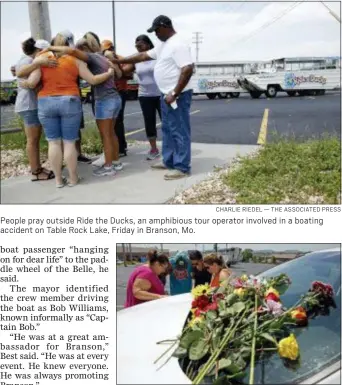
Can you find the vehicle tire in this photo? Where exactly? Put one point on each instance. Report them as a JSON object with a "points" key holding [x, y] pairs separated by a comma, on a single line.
{"points": [[320, 92], [211, 96], [291, 93], [255, 94], [271, 91], [223, 95], [303, 93], [234, 95]]}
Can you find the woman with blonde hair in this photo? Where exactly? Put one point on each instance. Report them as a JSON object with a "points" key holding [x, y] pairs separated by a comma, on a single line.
{"points": [[107, 99], [216, 267], [60, 109]]}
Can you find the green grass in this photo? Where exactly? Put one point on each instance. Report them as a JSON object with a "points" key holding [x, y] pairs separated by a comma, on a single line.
{"points": [[91, 142], [288, 170]]}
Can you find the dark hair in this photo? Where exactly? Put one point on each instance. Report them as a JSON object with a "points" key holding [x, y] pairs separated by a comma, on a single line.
{"points": [[28, 46], [52, 42], [195, 255], [145, 39], [94, 36], [153, 257], [213, 258]]}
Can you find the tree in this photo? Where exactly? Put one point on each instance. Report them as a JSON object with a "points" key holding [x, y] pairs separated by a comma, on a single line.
{"points": [[247, 255], [215, 247]]}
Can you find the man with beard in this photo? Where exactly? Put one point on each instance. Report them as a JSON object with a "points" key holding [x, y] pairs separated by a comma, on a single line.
{"points": [[200, 274]]}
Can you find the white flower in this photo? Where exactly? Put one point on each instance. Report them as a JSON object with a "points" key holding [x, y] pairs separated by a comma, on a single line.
{"points": [[276, 308]]}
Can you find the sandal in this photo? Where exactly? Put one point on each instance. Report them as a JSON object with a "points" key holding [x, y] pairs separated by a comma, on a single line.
{"points": [[41, 170], [64, 181], [74, 184]]}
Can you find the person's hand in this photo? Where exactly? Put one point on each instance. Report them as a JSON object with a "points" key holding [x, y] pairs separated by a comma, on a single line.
{"points": [[169, 98], [111, 71], [46, 62]]}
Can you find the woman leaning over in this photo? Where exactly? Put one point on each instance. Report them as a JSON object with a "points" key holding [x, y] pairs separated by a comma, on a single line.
{"points": [[107, 99], [60, 110], [148, 93], [144, 283], [216, 267]]}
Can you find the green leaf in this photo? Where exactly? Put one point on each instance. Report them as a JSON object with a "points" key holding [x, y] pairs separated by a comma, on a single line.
{"points": [[198, 349], [224, 363], [268, 337], [217, 337], [211, 315], [246, 352], [233, 368], [189, 337], [236, 375], [238, 307], [231, 298], [180, 352], [221, 305], [222, 380]]}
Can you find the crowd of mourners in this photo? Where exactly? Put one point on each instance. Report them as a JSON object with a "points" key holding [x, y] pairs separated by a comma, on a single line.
{"points": [[184, 271], [49, 100]]}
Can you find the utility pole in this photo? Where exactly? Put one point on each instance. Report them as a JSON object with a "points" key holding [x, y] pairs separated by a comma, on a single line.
{"points": [[332, 13], [39, 20], [114, 32], [197, 41]]}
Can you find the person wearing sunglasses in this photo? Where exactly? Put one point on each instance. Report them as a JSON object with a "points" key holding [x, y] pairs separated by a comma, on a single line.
{"points": [[200, 274]]}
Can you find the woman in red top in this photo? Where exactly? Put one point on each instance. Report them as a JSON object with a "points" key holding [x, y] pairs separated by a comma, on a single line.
{"points": [[144, 283], [216, 267]]}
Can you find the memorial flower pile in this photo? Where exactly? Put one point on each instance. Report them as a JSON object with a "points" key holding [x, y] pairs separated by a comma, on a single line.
{"points": [[230, 327]]}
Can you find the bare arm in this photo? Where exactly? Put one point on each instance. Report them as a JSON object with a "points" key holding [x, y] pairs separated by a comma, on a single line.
{"points": [[184, 78], [224, 274], [136, 58], [44, 61], [90, 78], [140, 290], [70, 51], [32, 80]]}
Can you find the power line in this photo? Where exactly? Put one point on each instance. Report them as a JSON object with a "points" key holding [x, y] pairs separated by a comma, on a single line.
{"points": [[332, 13], [198, 40], [267, 24]]}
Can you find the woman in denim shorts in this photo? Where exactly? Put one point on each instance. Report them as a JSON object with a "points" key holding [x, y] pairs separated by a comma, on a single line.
{"points": [[107, 99], [26, 106], [60, 110]]}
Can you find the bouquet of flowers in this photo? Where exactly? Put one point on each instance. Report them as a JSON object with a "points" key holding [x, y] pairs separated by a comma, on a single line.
{"points": [[229, 327]]}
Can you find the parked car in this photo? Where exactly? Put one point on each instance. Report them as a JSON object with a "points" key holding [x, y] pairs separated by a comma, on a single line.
{"points": [[139, 328]]}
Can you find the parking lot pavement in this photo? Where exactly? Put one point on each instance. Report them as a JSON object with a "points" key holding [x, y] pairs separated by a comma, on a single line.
{"points": [[238, 121], [123, 273]]}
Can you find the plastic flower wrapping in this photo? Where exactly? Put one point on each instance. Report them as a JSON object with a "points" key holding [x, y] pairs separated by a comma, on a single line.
{"points": [[229, 328]]}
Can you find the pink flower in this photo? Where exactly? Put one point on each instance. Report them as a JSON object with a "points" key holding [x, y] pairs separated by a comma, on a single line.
{"points": [[273, 307]]}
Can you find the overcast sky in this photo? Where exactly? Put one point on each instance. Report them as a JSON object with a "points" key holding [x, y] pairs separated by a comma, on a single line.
{"points": [[253, 246], [307, 30]]}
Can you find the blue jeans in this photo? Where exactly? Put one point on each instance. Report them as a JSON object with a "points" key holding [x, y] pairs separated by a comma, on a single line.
{"points": [[60, 117], [30, 118], [176, 147], [107, 108]]}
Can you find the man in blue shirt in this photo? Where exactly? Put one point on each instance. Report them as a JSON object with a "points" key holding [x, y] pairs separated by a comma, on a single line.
{"points": [[180, 277]]}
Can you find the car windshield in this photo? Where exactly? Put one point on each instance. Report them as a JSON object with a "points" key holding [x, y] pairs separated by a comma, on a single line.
{"points": [[320, 342]]}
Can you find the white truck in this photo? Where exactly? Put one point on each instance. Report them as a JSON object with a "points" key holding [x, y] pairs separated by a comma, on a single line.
{"points": [[297, 75]]}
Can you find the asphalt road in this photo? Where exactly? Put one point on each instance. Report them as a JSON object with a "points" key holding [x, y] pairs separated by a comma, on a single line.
{"points": [[123, 273], [242, 120]]}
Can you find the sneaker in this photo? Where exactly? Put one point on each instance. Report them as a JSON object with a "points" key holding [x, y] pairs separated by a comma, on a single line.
{"points": [[100, 161], [83, 159], [175, 174], [153, 155], [159, 166], [104, 171], [118, 166]]}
